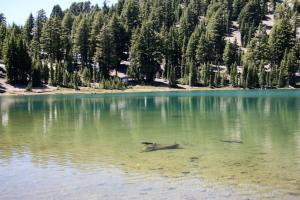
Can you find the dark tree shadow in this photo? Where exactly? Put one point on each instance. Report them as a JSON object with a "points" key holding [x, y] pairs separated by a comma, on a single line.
{"points": [[2, 89], [153, 84]]}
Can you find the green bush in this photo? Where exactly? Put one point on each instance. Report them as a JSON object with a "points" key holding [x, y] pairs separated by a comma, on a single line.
{"points": [[113, 84], [29, 87]]}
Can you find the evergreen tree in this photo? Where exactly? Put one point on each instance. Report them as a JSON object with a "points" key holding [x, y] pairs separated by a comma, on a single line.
{"points": [[16, 59], [2, 19], [50, 39], [28, 29], [172, 56], [39, 22], [97, 24], [188, 22], [206, 72], [192, 64], [45, 73], [216, 33], [81, 43], [262, 75], [2, 33], [281, 38], [233, 75], [258, 49], [37, 73], [203, 51], [146, 53], [288, 68], [249, 19], [230, 55], [251, 77], [106, 56], [66, 39], [57, 12], [130, 15], [119, 38], [237, 7]]}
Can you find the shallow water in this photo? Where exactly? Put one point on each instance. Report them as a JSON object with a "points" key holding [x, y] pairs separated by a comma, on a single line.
{"points": [[88, 146]]}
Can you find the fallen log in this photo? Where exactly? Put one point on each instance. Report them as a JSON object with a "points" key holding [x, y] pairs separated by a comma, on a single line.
{"points": [[232, 141], [150, 146]]}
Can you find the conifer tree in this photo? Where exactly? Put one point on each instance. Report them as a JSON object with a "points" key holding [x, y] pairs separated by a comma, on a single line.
{"points": [[130, 15], [172, 56], [262, 75], [37, 73], [50, 39], [57, 12], [106, 56], [28, 29], [281, 38], [230, 55], [249, 19], [146, 53], [81, 41], [66, 39], [233, 75]]}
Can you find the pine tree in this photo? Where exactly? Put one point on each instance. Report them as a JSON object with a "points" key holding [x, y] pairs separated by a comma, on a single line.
{"points": [[39, 23], [233, 75], [288, 68], [130, 15], [230, 55], [248, 20], [206, 72], [188, 22], [2, 38], [281, 38], [81, 41], [106, 56], [192, 64], [28, 29], [37, 73], [66, 40], [97, 24], [45, 73], [146, 53], [237, 7], [217, 80], [262, 75], [57, 12], [216, 33], [35, 47], [10, 56], [76, 80], [119, 38], [251, 77], [16, 59], [203, 51], [258, 49], [50, 39]]}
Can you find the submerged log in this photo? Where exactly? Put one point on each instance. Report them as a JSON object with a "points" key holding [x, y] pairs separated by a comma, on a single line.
{"points": [[232, 141], [150, 146]]}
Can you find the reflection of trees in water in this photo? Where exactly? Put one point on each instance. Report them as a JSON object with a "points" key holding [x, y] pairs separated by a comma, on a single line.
{"points": [[69, 124]]}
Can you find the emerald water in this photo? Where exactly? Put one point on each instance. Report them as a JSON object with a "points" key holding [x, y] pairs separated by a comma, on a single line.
{"points": [[88, 146]]}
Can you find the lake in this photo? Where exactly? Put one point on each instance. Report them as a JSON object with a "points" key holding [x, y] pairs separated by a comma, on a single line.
{"points": [[234, 145]]}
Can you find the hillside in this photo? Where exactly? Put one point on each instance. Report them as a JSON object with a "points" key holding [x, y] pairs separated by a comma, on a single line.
{"points": [[248, 44]]}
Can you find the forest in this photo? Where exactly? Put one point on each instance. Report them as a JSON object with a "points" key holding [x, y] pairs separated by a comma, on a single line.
{"points": [[213, 43]]}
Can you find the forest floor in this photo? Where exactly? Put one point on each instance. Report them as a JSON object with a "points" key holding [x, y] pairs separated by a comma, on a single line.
{"points": [[8, 90], [159, 85]]}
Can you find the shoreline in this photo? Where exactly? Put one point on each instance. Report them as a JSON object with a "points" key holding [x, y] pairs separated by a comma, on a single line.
{"points": [[135, 89]]}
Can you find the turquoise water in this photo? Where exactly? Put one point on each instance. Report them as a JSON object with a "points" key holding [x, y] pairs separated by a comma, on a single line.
{"points": [[88, 146]]}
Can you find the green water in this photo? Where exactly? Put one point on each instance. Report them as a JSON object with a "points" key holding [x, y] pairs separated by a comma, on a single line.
{"points": [[88, 146]]}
